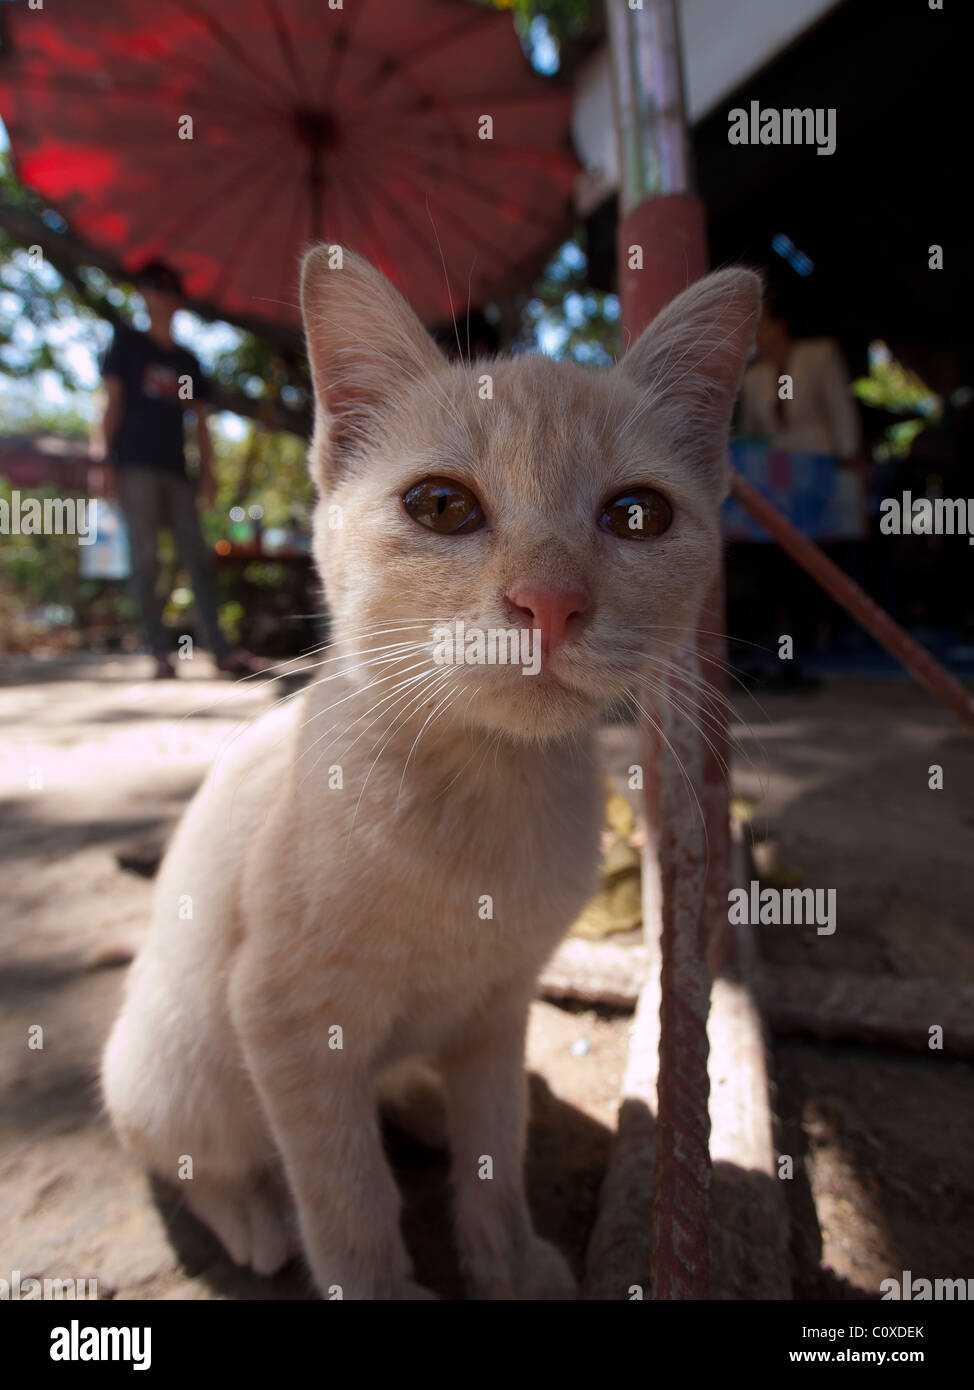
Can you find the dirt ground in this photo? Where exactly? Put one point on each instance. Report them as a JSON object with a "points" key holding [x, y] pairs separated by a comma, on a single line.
{"points": [[94, 758]]}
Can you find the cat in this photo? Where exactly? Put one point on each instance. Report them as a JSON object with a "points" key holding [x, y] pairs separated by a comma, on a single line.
{"points": [[374, 876]]}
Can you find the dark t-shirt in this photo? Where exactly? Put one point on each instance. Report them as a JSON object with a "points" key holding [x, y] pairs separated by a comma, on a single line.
{"points": [[151, 428]]}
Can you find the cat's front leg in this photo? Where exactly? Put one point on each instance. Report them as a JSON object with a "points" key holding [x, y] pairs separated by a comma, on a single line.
{"points": [[486, 1089], [319, 1101]]}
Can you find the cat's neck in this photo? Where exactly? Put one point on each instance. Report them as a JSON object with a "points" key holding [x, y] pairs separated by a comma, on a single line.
{"points": [[433, 739]]}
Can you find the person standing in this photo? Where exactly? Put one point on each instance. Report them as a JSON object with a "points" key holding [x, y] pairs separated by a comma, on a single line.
{"points": [[150, 382], [818, 415]]}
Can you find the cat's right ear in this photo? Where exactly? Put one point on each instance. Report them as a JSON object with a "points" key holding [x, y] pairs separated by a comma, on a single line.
{"points": [[365, 345]]}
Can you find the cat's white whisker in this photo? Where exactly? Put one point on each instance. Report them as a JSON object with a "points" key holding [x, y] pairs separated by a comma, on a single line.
{"points": [[298, 669], [679, 686], [436, 680], [692, 713], [415, 744], [389, 695], [687, 779]]}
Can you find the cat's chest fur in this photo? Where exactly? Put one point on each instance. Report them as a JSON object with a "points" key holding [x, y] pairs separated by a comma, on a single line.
{"points": [[437, 881]]}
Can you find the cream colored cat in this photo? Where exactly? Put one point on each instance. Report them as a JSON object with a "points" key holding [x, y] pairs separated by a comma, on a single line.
{"points": [[377, 872]]}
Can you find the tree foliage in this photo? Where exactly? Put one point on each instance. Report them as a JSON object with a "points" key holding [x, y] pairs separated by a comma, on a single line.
{"points": [[565, 317], [563, 20]]}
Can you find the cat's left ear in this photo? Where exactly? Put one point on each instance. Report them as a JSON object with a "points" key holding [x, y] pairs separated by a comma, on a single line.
{"points": [[690, 361]]}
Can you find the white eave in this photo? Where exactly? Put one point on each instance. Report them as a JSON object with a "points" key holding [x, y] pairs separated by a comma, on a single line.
{"points": [[724, 43]]}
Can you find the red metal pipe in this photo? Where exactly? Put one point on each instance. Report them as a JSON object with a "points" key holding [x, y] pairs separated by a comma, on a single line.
{"points": [[669, 230], [660, 215], [680, 1265]]}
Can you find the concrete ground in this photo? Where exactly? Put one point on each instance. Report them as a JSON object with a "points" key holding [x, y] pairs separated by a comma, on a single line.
{"points": [[94, 758]]}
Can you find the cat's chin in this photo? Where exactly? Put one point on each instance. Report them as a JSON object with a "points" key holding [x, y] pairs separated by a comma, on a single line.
{"points": [[536, 710]]}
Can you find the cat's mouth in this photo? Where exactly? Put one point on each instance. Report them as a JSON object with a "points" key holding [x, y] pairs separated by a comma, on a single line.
{"points": [[558, 698]]}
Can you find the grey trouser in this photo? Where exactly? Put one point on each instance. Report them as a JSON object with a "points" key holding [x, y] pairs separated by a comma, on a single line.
{"points": [[153, 501]]}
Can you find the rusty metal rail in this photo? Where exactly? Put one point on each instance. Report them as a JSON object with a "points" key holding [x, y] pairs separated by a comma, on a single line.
{"points": [[856, 602], [680, 1241]]}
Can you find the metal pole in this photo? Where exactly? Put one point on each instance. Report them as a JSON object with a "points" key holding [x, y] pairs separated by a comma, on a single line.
{"points": [[654, 152], [662, 249]]}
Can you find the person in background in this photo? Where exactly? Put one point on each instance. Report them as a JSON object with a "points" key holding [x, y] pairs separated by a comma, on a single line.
{"points": [[820, 418], [149, 382]]}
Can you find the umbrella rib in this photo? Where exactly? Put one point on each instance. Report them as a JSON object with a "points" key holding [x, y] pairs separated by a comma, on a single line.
{"points": [[379, 192], [423, 50], [499, 99], [444, 175], [468, 147], [69, 85], [224, 37], [289, 244], [161, 195], [248, 230], [359, 209], [473, 238], [286, 45], [540, 220], [138, 143], [444, 111], [214, 198], [338, 50]]}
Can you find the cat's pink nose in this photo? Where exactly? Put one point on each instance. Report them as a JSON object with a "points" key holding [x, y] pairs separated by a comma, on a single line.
{"points": [[557, 612]]}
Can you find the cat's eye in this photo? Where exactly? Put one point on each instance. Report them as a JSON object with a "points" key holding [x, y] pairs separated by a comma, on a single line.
{"points": [[444, 506], [637, 515]]}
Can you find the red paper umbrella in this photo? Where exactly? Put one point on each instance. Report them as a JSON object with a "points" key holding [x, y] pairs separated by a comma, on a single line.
{"points": [[225, 137]]}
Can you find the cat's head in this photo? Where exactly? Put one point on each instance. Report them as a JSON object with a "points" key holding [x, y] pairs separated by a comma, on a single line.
{"points": [[581, 506]]}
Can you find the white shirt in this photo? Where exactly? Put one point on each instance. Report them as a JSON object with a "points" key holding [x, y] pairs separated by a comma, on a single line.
{"points": [[821, 417]]}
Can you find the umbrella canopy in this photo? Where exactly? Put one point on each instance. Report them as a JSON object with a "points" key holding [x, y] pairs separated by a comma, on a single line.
{"points": [[225, 139]]}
